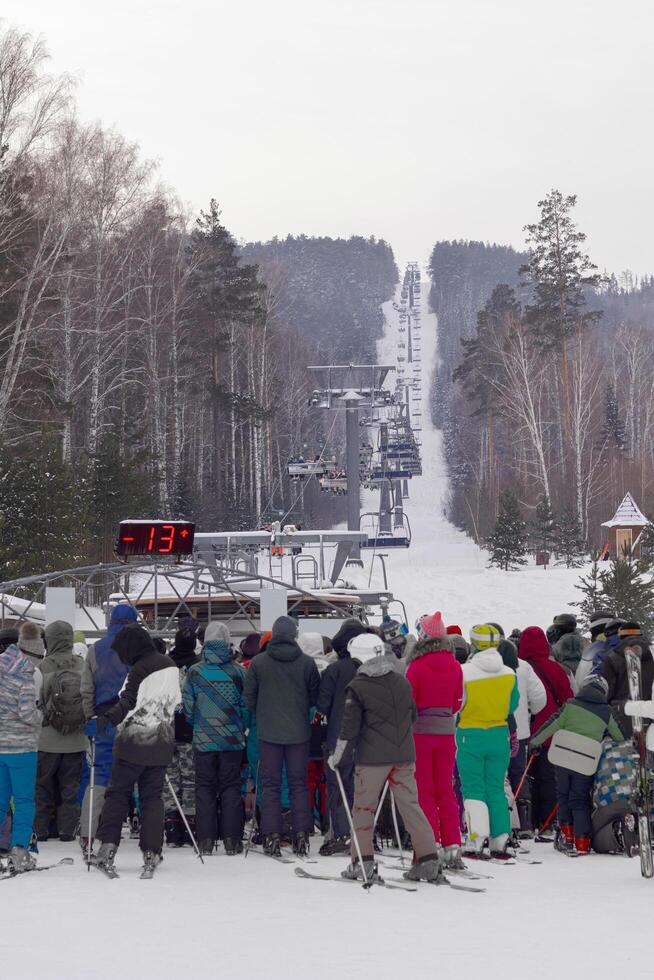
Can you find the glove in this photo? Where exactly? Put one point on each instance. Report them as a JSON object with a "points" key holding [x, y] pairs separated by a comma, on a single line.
{"points": [[102, 724], [514, 744], [335, 758], [534, 749], [91, 727]]}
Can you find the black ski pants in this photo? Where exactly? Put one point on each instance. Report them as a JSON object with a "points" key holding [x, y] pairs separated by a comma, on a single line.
{"points": [[150, 780], [543, 789], [58, 777], [574, 793], [218, 774], [272, 758]]}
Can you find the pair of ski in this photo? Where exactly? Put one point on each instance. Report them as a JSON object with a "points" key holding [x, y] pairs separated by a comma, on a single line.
{"points": [[7, 872], [391, 883], [455, 872], [283, 858], [632, 656]]}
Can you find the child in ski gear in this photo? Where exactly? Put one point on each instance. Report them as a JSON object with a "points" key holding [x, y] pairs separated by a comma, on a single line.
{"points": [[281, 687], [20, 722], [490, 696], [331, 702], [589, 715], [615, 671], [378, 720], [143, 717], [535, 649], [62, 742], [213, 705], [436, 681], [103, 676]]}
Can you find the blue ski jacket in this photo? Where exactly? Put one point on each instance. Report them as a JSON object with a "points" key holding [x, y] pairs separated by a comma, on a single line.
{"points": [[213, 701]]}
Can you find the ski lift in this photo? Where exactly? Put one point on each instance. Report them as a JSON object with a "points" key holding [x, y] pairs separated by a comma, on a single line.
{"points": [[299, 469]]}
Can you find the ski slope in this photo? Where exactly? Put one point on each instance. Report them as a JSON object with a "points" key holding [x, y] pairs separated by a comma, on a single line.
{"points": [[444, 569], [234, 917]]}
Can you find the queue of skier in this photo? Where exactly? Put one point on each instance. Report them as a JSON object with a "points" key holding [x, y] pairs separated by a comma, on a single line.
{"points": [[478, 745]]}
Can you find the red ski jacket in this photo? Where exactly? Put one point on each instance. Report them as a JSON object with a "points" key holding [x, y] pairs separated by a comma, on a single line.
{"points": [[535, 649], [436, 680]]}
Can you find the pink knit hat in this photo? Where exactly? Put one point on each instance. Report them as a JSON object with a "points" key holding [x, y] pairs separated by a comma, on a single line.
{"points": [[431, 627]]}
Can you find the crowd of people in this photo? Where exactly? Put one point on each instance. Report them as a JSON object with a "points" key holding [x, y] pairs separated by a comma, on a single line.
{"points": [[476, 742]]}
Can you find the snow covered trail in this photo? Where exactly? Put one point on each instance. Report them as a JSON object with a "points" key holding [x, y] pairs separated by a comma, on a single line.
{"points": [[253, 918], [444, 569]]}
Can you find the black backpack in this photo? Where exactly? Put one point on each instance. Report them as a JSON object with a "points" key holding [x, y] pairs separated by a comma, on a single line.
{"points": [[63, 709]]}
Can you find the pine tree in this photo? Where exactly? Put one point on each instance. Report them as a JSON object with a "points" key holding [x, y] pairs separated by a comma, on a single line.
{"points": [[592, 588], [543, 527], [568, 541], [647, 545], [613, 431], [628, 588], [508, 542]]}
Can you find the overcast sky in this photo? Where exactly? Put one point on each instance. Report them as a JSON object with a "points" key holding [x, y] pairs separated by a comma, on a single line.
{"points": [[412, 120]]}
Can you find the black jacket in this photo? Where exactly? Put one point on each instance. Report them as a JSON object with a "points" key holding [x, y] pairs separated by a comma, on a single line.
{"points": [[145, 709], [281, 687], [614, 670], [331, 699], [379, 715]]}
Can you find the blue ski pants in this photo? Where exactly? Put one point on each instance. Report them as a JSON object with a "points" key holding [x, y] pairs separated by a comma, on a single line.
{"points": [[18, 782]]}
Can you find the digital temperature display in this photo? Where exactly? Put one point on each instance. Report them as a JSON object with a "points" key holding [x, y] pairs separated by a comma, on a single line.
{"points": [[156, 538]]}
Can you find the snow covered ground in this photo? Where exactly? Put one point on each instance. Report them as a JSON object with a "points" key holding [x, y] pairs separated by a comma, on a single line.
{"points": [[233, 917], [444, 569]]}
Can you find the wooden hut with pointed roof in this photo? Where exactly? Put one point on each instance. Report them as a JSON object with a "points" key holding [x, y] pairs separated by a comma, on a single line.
{"points": [[625, 528]]}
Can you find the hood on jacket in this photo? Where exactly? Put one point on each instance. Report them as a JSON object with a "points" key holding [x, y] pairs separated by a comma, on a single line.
{"points": [[350, 628], [282, 650], [533, 644], [13, 663], [379, 666], [508, 653], [216, 652], [432, 644], [489, 661], [59, 638], [311, 644], [123, 613], [132, 643], [183, 657]]}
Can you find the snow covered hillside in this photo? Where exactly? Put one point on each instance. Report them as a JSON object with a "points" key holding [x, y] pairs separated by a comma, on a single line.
{"points": [[444, 569]]}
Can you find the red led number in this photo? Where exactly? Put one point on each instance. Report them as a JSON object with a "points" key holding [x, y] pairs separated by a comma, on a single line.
{"points": [[166, 539], [151, 539]]}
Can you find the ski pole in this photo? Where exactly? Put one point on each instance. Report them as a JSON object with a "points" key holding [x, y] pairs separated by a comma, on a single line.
{"points": [[89, 842], [253, 824], [350, 820], [549, 819], [380, 804], [524, 776], [183, 816], [396, 826]]}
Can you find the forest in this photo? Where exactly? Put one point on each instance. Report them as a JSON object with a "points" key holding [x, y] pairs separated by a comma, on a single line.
{"points": [[149, 364], [542, 389]]}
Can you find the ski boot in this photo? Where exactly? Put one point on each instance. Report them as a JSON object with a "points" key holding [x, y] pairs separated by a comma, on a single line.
{"points": [[353, 871], [301, 844], [451, 858], [206, 846], [337, 845], [105, 857], [19, 860], [564, 839], [427, 869], [582, 845], [233, 846], [500, 848], [272, 845], [150, 861]]}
